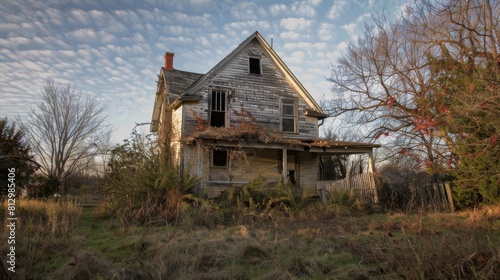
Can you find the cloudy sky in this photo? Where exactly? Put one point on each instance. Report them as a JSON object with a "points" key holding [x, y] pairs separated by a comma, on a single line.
{"points": [[113, 50]]}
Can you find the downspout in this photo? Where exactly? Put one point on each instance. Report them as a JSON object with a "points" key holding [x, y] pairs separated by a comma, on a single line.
{"points": [[322, 122]]}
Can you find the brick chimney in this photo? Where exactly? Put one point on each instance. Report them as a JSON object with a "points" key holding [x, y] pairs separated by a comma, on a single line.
{"points": [[169, 61]]}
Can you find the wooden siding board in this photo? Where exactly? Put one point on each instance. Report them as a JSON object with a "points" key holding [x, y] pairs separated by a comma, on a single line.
{"points": [[261, 162], [308, 172], [177, 124]]}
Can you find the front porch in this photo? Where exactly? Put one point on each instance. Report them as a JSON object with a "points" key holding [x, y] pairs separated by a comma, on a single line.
{"points": [[225, 163]]}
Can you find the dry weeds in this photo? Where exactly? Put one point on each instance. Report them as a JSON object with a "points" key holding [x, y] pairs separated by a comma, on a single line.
{"points": [[312, 244]]}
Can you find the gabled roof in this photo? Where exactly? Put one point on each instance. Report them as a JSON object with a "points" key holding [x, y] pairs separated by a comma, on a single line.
{"points": [[277, 61], [182, 85], [176, 82]]}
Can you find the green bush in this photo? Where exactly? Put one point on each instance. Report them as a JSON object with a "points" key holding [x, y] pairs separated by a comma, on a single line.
{"points": [[347, 199], [47, 186], [140, 186], [257, 195]]}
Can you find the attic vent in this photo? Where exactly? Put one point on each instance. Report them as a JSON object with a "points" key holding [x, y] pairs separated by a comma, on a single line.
{"points": [[254, 65]]}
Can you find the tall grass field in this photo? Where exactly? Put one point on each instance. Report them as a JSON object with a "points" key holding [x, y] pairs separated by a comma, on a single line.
{"points": [[63, 240]]}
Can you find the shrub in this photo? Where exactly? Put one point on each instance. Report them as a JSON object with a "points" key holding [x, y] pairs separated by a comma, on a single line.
{"points": [[140, 186], [257, 195], [46, 186], [347, 199]]}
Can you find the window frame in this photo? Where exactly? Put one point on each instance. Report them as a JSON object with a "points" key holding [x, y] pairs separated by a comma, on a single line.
{"points": [[250, 58], [294, 117], [222, 103]]}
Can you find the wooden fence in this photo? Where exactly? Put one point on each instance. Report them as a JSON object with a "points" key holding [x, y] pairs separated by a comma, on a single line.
{"points": [[431, 196], [363, 186], [367, 188]]}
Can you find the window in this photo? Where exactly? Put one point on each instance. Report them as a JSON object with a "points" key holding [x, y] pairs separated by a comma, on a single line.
{"points": [[288, 115], [218, 108], [219, 158], [254, 65]]}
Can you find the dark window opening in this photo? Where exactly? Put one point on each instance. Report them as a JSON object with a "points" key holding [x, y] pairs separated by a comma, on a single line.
{"points": [[254, 65], [218, 109], [219, 158], [218, 119]]}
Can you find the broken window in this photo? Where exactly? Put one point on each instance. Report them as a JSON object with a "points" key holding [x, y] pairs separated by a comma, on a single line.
{"points": [[218, 108], [254, 64]]}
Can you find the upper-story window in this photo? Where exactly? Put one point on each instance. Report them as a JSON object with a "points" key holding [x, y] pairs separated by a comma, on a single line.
{"points": [[218, 108], [254, 65], [289, 115]]}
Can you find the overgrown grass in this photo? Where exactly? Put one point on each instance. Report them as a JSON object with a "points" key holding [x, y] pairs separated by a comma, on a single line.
{"points": [[315, 242], [55, 218], [42, 230]]}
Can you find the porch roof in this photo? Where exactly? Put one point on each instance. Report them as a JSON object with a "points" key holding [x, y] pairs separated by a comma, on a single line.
{"points": [[224, 137]]}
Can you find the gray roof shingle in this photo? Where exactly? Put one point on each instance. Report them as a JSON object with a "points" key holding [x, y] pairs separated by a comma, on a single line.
{"points": [[179, 81]]}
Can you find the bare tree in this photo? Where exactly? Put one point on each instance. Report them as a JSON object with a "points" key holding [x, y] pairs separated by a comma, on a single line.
{"points": [[377, 83], [65, 131], [429, 82]]}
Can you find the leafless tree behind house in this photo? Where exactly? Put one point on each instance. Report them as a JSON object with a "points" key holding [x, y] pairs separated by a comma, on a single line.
{"points": [[65, 130]]}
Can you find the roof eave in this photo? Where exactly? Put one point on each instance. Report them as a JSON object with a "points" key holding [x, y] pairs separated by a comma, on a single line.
{"points": [[157, 105], [293, 79], [314, 113]]}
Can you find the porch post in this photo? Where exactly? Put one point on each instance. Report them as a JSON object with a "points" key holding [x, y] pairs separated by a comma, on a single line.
{"points": [[284, 165], [200, 166], [371, 173], [371, 164]]}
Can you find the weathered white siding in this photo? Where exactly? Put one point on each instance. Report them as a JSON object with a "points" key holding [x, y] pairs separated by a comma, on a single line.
{"points": [[258, 162], [176, 124], [194, 114], [263, 162], [258, 95], [308, 172]]}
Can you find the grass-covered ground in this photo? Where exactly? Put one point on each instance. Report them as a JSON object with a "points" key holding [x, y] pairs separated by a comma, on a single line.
{"points": [[65, 241]]}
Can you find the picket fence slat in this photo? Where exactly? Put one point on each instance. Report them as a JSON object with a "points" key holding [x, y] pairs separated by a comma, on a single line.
{"points": [[361, 184]]}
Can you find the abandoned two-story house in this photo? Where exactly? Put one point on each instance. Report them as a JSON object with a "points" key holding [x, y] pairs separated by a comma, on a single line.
{"points": [[248, 116]]}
